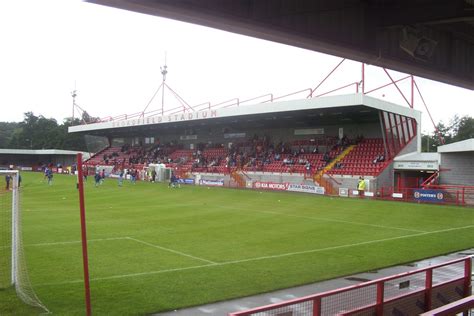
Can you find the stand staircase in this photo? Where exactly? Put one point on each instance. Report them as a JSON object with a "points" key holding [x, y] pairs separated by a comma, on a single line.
{"points": [[319, 176]]}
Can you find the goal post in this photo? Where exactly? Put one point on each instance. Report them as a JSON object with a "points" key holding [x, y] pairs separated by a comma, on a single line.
{"points": [[13, 270]]}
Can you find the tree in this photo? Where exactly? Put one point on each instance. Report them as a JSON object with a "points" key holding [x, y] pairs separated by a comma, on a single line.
{"points": [[458, 128], [7, 130], [463, 128], [38, 132], [72, 141]]}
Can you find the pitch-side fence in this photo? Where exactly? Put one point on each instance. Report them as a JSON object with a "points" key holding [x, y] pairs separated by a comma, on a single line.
{"points": [[410, 293]]}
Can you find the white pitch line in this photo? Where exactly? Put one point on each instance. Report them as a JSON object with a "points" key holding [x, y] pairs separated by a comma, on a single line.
{"points": [[68, 242], [170, 250], [334, 220], [260, 258]]}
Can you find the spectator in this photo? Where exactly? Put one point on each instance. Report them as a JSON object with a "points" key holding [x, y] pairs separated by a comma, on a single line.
{"points": [[361, 186], [7, 181]]}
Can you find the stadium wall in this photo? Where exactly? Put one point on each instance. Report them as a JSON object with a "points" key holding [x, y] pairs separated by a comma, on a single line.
{"points": [[410, 147], [215, 135], [350, 182], [385, 178], [460, 168], [278, 178]]}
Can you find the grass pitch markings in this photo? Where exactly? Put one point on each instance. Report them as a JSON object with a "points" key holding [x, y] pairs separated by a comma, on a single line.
{"points": [[170, 250], [215, 264], [328, 220], [68, 242]]}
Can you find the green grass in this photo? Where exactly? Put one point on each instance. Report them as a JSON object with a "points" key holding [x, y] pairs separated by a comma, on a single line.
{"points": [[154, 249]]}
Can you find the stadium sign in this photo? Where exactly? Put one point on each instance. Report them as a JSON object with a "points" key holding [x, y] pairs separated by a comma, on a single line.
{"points": [[306, 188], [344, 192], [265, 185], [234, 135], [166, 119], [436, 196], [416, 165], [309, 131], [214, 183], [186, 181], [188, 137]]}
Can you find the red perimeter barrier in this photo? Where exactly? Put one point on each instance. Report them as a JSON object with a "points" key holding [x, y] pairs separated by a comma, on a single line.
{"points": [[440, 194], [410, 293]]}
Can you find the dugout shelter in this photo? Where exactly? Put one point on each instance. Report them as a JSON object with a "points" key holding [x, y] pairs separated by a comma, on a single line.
{"points": [[34, 159]]}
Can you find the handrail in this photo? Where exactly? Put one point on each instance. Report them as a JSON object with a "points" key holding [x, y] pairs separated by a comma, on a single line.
{"points": [[386, 85], [347, 85], [246, 175], [430, 179], [261, 96], [293, 93], [333, 179], [208, 105], [453, 308], [317, 297], [212, 106], [452, 186]]}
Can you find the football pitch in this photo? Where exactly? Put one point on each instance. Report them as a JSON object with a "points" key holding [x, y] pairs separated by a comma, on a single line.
{"points": [[152, 248]]}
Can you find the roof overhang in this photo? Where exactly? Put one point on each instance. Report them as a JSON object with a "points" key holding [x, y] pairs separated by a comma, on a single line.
{"points": [[42, 152], [417, 162], [462, 146], [258, 110], [431, 39]]}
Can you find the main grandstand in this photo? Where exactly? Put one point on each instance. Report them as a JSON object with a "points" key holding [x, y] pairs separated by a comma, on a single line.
{"points": [[328, 141]]}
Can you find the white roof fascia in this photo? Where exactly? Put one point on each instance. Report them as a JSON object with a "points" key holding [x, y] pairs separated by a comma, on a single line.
{"points": [[427, 157], [41, 152], [262, 108], [461, 146]]}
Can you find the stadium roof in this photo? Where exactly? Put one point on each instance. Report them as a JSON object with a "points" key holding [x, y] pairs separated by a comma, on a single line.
{"points": [[461, 146], [350, 108], [42, 152], [416, 156], [431, 39]]}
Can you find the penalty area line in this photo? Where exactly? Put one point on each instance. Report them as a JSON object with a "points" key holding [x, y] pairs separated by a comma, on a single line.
{"points": [[171, 250], [216, 264]]}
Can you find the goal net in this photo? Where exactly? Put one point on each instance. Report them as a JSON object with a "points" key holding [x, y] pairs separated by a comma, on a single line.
{"points": [[13, 271]]}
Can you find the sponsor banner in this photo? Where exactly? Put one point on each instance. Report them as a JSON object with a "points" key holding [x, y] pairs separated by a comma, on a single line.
{"points": [[188, 137], [270, 185], [397, 195], [234, 135], [436, 196], [216, 183], [343, 192], [186, 181], [26, 168], [305, 188], [309, 131], [371, 194]]}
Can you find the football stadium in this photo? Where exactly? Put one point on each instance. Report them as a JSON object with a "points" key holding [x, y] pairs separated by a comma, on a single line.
{"points": [[185, 206]]}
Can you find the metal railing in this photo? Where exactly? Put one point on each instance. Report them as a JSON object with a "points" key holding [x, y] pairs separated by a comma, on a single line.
{"points": [[410, 293]]}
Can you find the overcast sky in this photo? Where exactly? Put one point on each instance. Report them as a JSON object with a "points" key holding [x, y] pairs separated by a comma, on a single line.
{"points": [[114, 57]]}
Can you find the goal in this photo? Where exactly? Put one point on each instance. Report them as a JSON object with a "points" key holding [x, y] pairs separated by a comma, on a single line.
{"points": [[13, 271]]}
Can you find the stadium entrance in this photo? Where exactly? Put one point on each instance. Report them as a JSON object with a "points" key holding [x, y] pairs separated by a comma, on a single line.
{"points": [[413, 170]]}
